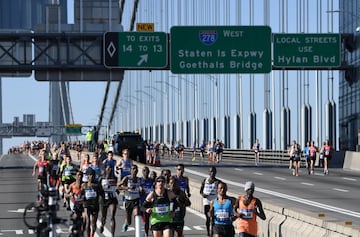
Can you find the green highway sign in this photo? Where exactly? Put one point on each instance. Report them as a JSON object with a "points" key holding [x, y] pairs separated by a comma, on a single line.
{"points": [[220, 49], [136, 50], [307, 50], [74, 129]]}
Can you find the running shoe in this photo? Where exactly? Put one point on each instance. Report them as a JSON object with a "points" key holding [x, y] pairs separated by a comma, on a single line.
{"points": [[124, 227]]}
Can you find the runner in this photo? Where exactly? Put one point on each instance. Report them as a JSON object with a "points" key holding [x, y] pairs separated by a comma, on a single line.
{"points": [[95, 165], [208, 192], [76, 196], [131, 184], [108, 202], [109, 161], [68, 173], [327, 156], [124, 164], [179, 213], [256, 148], [42, 167], [84, 165], [182, 180], [248, 207], [312, 152], [221, 211], [92, 192], [158, 205], [306, 152], [54, 169], [202, 150], [147, 186]]}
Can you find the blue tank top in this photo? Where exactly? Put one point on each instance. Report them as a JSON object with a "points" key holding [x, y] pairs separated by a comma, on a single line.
{"points": [[112, 164], [223, 212], [126, 167], [182, 183], [147, 185]]}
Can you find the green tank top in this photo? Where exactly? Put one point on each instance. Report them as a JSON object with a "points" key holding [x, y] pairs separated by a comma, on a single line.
{"points": [[161, 209]]}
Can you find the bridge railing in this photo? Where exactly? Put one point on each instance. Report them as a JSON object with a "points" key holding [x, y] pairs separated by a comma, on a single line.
{"points": [[273, 157]]}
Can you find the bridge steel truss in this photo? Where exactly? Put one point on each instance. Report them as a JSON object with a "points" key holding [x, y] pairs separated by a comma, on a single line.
{"points": [[65, 51]]}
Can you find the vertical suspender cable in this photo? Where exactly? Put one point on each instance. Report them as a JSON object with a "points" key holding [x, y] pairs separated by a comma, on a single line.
{"points": [[107, 88], [136, 2]]}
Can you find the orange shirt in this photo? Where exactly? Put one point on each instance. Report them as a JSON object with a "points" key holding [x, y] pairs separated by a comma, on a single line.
{"points": [[247, 224], [76, 191]]}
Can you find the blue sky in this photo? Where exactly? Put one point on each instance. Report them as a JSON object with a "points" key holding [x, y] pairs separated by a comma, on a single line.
{"points": [[28, 96]]}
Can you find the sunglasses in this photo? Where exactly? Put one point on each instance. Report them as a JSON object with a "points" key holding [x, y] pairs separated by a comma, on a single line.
{"points": [[160, 181]]}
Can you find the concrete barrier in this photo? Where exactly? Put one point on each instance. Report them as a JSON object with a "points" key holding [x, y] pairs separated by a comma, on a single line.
{"points": [[352, 161]]}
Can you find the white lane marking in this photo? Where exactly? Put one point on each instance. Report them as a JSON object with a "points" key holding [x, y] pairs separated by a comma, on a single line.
{"points": [[341, 190], [350, 179], [308, 184], [107, 232], [17, 232], [19, 210], [199, 227], [281, 178], [33, 157], [238, 169], [286, 196], [257, 173], [195, 212]]}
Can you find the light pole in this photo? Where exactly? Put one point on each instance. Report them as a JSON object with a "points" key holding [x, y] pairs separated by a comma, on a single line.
{"points": [[173, 105], [154, 108], [129, 105], [138, 121], [166, 115], [194, 84], [215, 80], [180, 132]]}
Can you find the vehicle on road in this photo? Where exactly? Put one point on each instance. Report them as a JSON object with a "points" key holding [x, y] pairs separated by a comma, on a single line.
{"points": [[132, 141]]}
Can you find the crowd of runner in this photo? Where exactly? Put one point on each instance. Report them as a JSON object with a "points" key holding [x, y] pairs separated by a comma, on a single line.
{"points": [[94, 187]]}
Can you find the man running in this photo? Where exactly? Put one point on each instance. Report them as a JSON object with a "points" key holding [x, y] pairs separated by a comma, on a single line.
{"points": [[248, 208]]}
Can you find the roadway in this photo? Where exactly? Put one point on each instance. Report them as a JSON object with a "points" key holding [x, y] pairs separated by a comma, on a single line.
{"points": [[334, 197], [18, 188]]}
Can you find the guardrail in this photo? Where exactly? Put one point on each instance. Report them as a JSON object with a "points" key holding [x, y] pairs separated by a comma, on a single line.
{"points": [[273, 157]]}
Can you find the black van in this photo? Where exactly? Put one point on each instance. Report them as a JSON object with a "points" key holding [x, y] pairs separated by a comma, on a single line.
{"points": [[133, 142]]}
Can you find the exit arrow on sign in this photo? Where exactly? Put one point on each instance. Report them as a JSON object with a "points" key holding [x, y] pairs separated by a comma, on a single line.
{"points": [[143, 58]]}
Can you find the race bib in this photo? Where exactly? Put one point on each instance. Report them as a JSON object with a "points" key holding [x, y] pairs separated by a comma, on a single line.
{"points": [[222, 215], [90, 194]]}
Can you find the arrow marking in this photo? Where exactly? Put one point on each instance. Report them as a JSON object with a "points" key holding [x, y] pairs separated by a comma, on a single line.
{"points": [[143, 58]]}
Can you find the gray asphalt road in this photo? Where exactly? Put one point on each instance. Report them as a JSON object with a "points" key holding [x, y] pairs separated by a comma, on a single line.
{"points": [[336, 196]]}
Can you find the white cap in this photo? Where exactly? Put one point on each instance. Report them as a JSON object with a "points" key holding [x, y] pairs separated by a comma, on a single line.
{"points": [[249, 185]]}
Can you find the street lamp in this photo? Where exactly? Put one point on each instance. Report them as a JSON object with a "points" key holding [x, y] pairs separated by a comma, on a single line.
{"points": [[180, 132], [166, 115], [138, 120], [171, 135], [215, 80], [154, 107], [194, 84]]}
